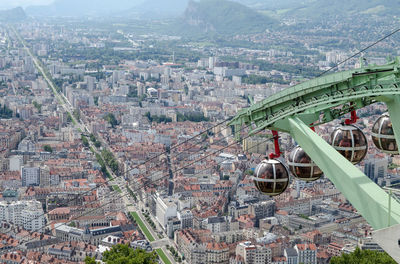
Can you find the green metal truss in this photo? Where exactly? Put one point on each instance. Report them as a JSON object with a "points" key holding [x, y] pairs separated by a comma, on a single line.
{"points": [[322, 100]]}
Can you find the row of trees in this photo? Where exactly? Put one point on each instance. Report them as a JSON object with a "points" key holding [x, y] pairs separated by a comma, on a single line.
{"points": [[257, 79], [148, 219], [289, 68], [96, 143], [102, 165], [193, 117], [158, 119], [131, 193], [85, 141], [123, 254], [175, 254], [110, 160]]}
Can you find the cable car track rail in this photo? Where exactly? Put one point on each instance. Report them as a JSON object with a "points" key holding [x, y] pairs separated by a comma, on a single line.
{"points": [[308, 100]]}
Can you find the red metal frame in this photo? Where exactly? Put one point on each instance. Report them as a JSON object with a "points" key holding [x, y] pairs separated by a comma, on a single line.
{"points": [[278, 152], [275, 136], [312, 127], [353, 119]]}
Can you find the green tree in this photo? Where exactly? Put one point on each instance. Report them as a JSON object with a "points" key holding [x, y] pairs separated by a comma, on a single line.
{"points": [[111, 119], [89, 260], [85, 141], [123, 254], [92, 138], [76, 114], [249, 172], [363, 257], [37, 106], [47, 148]]}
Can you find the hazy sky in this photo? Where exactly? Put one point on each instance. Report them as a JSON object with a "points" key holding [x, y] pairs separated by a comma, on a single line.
{"points": [[4, 4]]}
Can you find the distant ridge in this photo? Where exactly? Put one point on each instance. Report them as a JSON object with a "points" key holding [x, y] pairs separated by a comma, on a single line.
{"points": [[159, 9], [321, 9], [79, 8], [12, 15], [223, 17]]}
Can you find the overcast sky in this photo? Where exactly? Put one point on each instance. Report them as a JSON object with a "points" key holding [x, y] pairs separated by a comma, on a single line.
{"points": [[5, 4]]}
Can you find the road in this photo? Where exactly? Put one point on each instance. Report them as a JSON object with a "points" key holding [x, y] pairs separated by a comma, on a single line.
{"points": [[82, 127]]}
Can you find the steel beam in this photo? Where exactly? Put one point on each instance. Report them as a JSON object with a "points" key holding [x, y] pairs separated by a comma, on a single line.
{"points": [[368, 198]]}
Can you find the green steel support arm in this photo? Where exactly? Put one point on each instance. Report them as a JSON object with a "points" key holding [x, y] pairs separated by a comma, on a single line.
{"points": [[368, 198], [393, 104]]}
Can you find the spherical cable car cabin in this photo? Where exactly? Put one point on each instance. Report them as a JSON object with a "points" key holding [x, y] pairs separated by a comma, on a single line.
{"points": [[383, 135], [351, 142], [271, 177], [302, 167]]}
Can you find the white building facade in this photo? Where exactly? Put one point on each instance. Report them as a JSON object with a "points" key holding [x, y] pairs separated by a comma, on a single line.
{"points": [[27, 214]]}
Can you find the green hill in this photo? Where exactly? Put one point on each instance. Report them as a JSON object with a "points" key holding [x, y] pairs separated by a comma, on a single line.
{"points": [[223, 17], [12, 15], [321, 9]]}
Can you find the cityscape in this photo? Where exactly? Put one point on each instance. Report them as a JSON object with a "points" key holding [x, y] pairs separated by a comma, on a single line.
{"points": [[114, 134]]}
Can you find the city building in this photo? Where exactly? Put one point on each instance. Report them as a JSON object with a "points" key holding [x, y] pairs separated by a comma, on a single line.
{"points": [[26, 214], [165, 209], [307, 253], [30, 176], [253, 254]]}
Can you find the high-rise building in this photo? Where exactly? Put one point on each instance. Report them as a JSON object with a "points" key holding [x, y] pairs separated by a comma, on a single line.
{"points": [[212, 61], [375, 168], [30, 176], [165, 209], [90, 82], [44, 177], [141, 89]]}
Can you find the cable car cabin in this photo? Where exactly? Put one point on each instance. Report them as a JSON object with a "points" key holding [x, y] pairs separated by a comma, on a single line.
{"points": [[351, 142], [271, 177], [302, 167], [383, 135]]}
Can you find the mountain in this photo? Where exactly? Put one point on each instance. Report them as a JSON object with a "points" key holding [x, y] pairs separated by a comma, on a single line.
{"points": [[323, 8], [159, 9], [273, 4], [223, 17], [12, 15], [317, 9], [78, 8]]}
